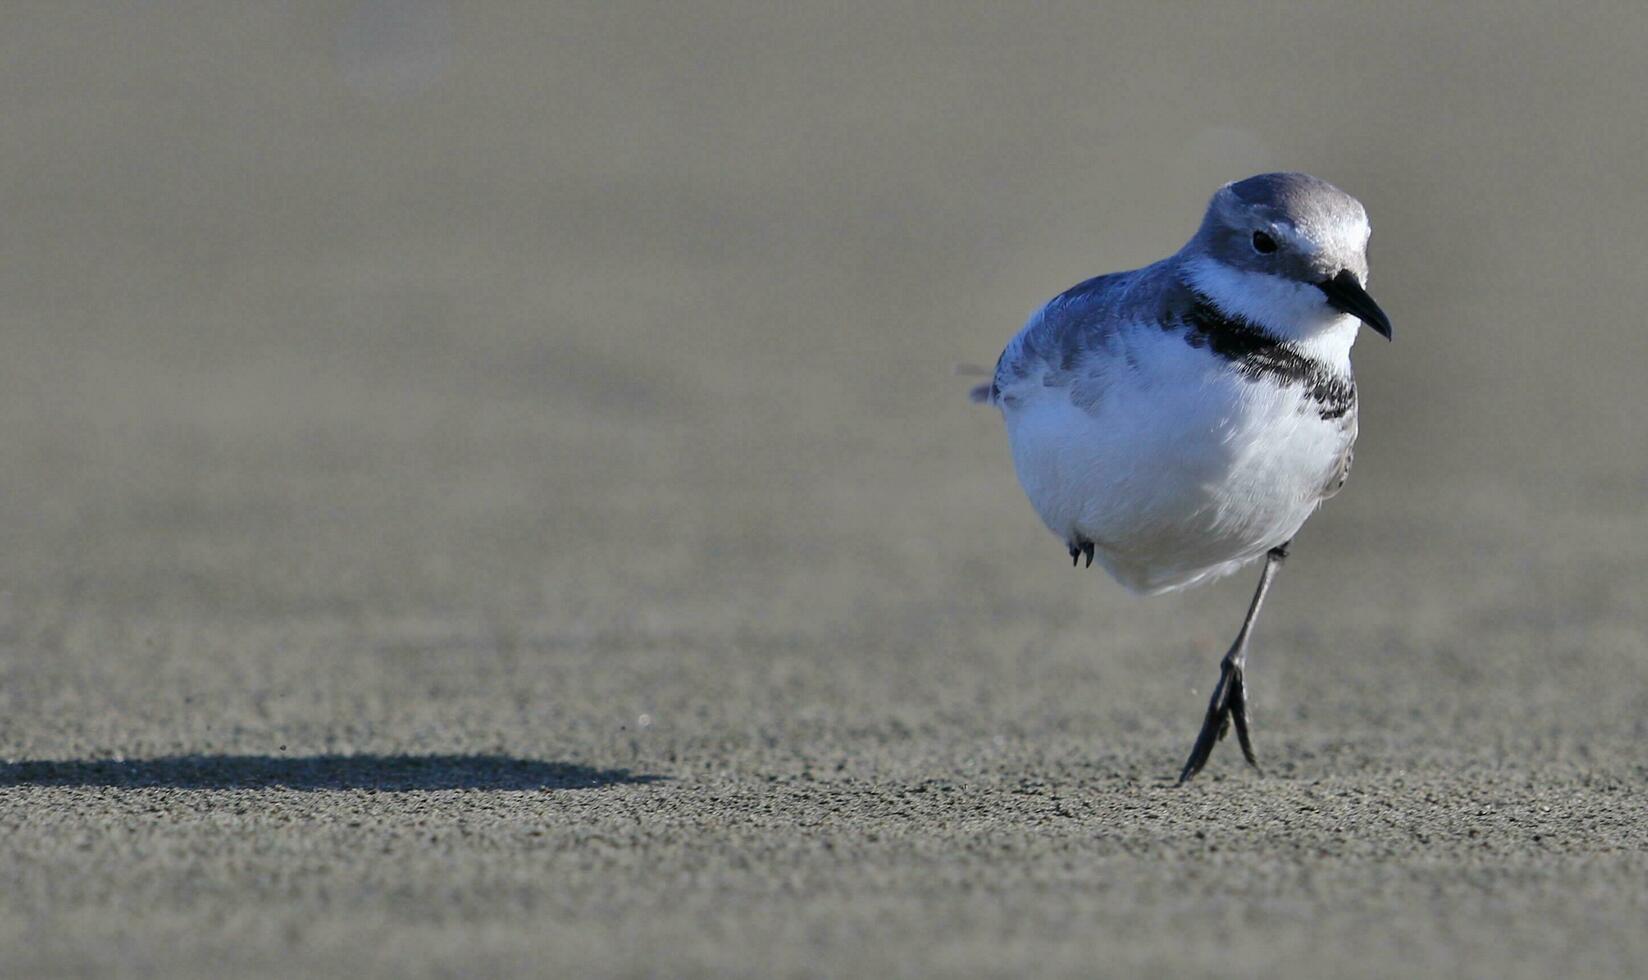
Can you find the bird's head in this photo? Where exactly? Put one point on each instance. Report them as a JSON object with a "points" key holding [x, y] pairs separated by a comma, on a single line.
{"points": [[1287, 251]]}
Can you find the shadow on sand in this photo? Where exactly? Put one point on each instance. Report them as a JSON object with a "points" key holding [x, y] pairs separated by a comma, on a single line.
{"points": [[388, 773]]}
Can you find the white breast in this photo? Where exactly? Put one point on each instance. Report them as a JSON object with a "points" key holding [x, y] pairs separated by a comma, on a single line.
{"points": [[1182, 470]]}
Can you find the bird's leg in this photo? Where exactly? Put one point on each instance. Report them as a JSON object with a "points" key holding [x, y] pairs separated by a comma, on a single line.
{"points": [[1078, 548], [1229, 702]]}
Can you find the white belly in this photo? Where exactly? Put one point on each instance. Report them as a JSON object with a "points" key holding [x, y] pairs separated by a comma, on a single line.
{"points": [[1176, 480]]}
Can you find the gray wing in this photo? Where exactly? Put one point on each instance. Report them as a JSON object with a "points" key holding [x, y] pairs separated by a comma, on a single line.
{"points": [[1081, 334]]}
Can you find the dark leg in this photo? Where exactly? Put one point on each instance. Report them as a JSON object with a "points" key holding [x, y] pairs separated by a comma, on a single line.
{"points": [[1078, 548], [1229, 702]]}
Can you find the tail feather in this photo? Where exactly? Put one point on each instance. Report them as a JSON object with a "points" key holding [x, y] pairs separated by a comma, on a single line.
{"points": [[984, 393]]}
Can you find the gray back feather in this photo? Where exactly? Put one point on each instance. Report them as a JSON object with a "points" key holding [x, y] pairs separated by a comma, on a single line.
{"points": [[1059, 344]]}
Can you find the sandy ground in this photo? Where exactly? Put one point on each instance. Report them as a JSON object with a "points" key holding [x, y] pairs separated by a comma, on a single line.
{"points": [[483, 495]]}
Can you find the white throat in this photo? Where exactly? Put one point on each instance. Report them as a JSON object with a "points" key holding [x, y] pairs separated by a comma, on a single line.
{"points": [[1297, 313]]}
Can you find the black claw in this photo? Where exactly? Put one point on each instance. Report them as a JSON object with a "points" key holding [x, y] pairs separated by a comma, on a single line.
{"points": [[1238, 714], [1075, 555], [1226, 707], [1087, 549]]}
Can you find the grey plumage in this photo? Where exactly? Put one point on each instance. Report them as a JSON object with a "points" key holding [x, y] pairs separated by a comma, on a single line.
{"points": [[1095, 328], [1289, 205]]}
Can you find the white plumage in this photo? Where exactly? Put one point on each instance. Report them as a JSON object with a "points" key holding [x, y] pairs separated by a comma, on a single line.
{"points": [[1176, 422], [1182, 470]]}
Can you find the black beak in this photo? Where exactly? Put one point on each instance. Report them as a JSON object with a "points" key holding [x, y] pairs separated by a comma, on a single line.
{"points": [[1346, 295]]}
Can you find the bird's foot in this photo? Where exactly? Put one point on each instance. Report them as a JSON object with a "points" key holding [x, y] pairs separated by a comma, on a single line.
{"points": [[1078, 548], [1227, 706]]}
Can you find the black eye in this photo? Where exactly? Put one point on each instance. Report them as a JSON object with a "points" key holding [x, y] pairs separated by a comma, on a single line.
{"points": [[1263, 243]]}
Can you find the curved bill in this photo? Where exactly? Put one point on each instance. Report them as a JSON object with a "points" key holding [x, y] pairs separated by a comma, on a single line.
{"points": [[1346, 295]]}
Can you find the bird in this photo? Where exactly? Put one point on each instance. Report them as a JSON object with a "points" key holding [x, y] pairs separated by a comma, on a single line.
{"points": [[1177, 422]]}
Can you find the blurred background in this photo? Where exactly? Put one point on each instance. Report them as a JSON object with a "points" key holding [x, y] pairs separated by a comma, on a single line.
{"points": [[304, 298], [398, 292], [560, 377]]}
